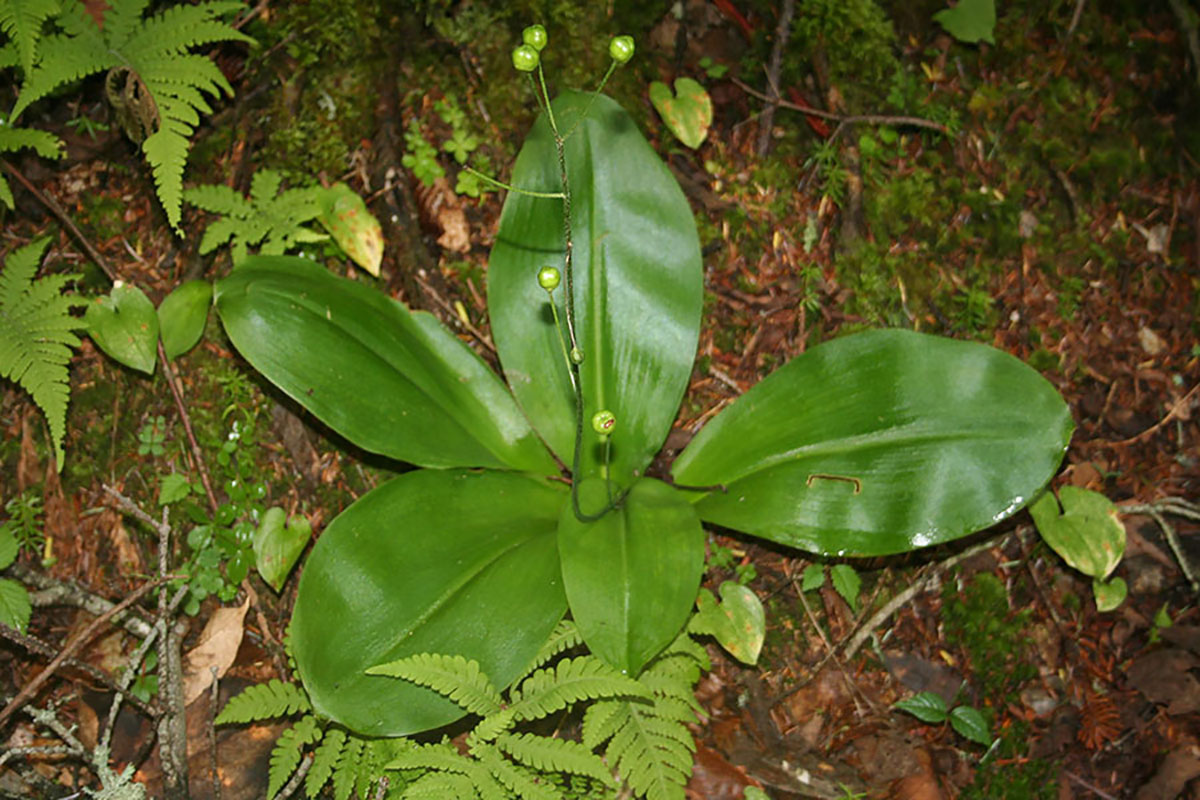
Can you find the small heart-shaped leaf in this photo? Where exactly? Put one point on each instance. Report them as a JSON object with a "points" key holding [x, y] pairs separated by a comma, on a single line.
{"points": [[970, 21], [738, 623], [354, 228], [688, 112], [1088, 534], [1109, 595], [278, 545], [125, 326]]}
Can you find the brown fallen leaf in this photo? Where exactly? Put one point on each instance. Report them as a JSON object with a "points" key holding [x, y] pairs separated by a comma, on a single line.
{"points": [[1179, 767], [714, 778], [1164, 676], [218, 646]]}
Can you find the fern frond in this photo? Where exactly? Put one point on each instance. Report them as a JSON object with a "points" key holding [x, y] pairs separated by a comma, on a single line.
{"points": [[122, 19], [65, 57], [275, 222], [285, 756], [601, 720], [453, 676], [493, 725], [346, 768], [565, 636], [325, 758], [36, 336], [439, 756], [569, 681], [373, 766], [553, 755], [44, 143], [515, 780], [21, 21], [264, 701], [441, 786], [652, 755]]}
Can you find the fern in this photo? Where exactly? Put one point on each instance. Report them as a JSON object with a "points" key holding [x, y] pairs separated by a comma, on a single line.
{"points": [[345, 769], [265, 701], [565, 637], [649, 743], [453, 676], [45, 144], [285, 756], [553, 755], [21, 21], [570, 681], [325, 758], [268, 218], [36, 336], [152, 54]]}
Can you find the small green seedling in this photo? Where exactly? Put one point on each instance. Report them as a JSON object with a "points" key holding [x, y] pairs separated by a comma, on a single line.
{"points": [[1088, 534], [845, 579], [15, 609], [968, 722], [151, 437], [688, 112]]}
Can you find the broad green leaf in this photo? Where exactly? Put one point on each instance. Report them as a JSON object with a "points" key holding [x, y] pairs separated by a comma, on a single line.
{"points": [[1088, 535], [181, 317], [813, 577], [969, 21], [846, 583], [738, 622], [688, 112], [971, 724], [456, 562], [1109, 594], [9, 546], [637, 282], [353, 227], [15, 608], [125, 326], [392, 381], [277, 545], [631, 576], [880, 442], [926, 706]]}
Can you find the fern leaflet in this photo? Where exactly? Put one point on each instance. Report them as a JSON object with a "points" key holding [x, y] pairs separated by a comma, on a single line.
{"points": [[453, 676], [285, 756], [441, 786], [569, 681], [45, 144], [164, 84], [553, 755], [565, 637], [36, 336], [325, 758], [21, 21], [264, 701], [345, 769]]}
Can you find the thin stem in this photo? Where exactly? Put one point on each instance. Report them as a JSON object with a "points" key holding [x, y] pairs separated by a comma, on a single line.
{"points": [[503, 185], [562, 340], [611, 68]]}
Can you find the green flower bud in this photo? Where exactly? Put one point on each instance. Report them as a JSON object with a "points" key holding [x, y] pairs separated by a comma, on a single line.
{"points": [[576, 355], [621, 48], [549, 278], [603, 422], [525, 58], [535, 37]]}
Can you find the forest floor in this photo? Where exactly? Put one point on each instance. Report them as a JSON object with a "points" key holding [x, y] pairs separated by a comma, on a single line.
{"points": [[1059, 221]]}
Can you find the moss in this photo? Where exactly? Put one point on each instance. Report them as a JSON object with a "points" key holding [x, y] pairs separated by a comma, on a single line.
{"points": [[977, 619]]}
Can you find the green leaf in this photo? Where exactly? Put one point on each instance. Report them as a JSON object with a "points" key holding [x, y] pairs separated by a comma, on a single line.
{"points": [[392, 381], [971, 724], [688, 112], [926, 706], [880, 442], [36, 335], [738, 623], [277, 546], [9, 546], [847, 583], [637, 278], [264, 701], [813, 577], [181, 317], [969, 21], [452, 676], [456, 562], [15, 609], [353, 227], [631, 576], [1088, 535], [125, 326], [1109, 594], [173, 488], [285, 756]]}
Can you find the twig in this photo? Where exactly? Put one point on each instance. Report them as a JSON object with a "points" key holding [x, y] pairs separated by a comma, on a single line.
{"points": [[172, 725], [55, 592], [1176, 409], [1180, 508], [1090, 787], [298, 778], [187, 428], [869, 119], [212, 733], [1075, 17], [77, 641], [782, 32], [65, 219]]}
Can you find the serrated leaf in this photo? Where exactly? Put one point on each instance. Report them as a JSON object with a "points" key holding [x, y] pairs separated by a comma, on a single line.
{"points": [[15, 608], [325, 759], [971, 724], [285, 756], [9, 546], [264, 701], [173, 488], [455, 677], [926, 706], [812, 578], [124, 325], [847, 583]]}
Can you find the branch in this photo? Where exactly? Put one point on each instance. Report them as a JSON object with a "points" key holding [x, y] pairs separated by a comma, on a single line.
{"points": [[869, 119]]}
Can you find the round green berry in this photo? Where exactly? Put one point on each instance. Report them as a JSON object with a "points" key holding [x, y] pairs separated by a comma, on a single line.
{"points": [[621, 48], [576, 355], [535, 37], [525, 58], [549, 278], [603, 422]]}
